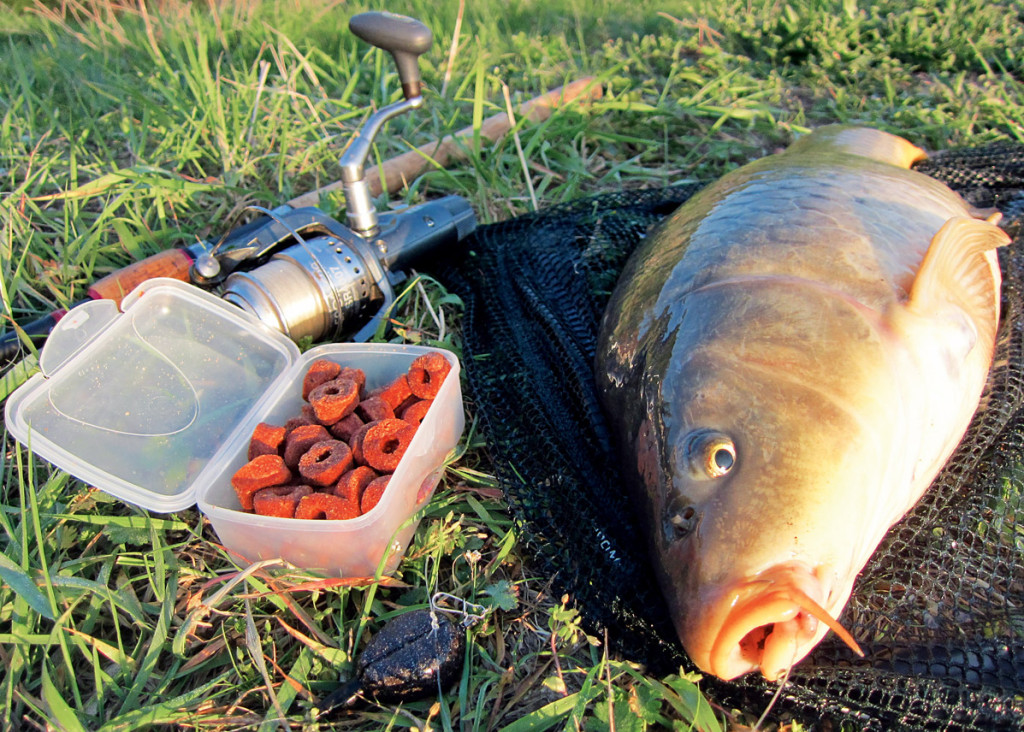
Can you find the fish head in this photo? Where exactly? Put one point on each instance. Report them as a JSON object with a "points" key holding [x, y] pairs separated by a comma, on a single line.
{"points": [[761, 489]]}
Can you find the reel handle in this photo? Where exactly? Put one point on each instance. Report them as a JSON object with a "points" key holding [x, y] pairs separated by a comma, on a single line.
{"points": [[406, 39]]}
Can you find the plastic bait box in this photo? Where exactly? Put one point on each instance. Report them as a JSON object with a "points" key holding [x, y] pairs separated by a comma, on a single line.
{"points": [[156, 405]]}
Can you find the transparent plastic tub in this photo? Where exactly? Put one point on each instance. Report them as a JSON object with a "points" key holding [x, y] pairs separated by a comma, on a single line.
{"points": [[156, 406]]}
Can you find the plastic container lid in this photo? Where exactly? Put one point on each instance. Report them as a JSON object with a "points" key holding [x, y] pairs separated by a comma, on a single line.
{"points": [[143, 404]]}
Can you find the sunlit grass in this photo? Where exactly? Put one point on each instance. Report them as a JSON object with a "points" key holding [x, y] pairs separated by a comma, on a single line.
{"points": [[127, 129]]}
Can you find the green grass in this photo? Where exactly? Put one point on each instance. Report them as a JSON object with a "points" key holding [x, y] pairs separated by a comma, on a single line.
{"points": [[125, 132]]}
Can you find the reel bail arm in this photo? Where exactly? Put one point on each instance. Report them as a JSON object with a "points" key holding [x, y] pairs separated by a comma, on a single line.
{"points": [[406, 39]]}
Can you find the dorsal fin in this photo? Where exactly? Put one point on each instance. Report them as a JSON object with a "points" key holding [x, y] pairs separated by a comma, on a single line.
{"points": [[863, 141], [956, 269]]}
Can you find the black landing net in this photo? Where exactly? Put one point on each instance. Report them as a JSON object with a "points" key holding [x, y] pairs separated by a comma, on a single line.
{"points": [[939, 610]]}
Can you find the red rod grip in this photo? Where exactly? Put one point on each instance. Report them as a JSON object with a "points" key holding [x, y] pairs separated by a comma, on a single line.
{"points": [[174, 263]]}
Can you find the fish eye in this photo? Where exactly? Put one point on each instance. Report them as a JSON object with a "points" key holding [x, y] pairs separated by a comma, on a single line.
{"points": [[709, 454]]}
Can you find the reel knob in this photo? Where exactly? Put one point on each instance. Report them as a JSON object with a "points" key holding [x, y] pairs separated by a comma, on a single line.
{"points": [[406, 39]]}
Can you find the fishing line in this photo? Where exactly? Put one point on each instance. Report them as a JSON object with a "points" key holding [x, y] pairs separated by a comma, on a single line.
{"points": [[295, 235], [776, 695]]}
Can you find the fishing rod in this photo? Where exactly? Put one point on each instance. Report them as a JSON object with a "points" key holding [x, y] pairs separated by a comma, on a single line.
{"points": [[301, 271]]}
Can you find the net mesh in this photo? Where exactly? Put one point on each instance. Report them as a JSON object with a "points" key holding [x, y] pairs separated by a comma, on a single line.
{"points": [[939, 610]]}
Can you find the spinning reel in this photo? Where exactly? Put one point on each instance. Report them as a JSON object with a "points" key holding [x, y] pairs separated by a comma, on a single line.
{"points": [[336, 283]]}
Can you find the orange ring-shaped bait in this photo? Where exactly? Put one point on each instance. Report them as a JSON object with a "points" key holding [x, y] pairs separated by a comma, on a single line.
{"points": [[319, 372], [279, 500], [295, 422], [262, 471], [372, 494], [375, 408], [357, 375], [351, 485], [325, 506], [427, 373], [333, 400], [344, 428], [267, 439], [301, 439], [395, 393], [325, 462], [415, 412], [356, 443], [386, 442]]}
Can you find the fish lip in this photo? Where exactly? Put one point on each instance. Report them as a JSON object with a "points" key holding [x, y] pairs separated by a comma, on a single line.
{"points": [[758, 601]]}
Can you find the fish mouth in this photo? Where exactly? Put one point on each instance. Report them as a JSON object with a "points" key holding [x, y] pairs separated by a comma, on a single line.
{"points": [[771, 622]]}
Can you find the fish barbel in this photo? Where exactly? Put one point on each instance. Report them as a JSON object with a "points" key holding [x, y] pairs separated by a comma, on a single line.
{"points": [[787, 363]]}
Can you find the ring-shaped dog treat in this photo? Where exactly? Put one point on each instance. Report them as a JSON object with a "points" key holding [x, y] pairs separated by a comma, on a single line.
{"points": [[386, 442], [427, 373], [325, 462]]}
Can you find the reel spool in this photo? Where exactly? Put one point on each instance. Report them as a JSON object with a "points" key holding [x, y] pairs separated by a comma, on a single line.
{"points": [[337, 284]]}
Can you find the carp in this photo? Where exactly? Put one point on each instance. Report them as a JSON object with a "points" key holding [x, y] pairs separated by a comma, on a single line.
{"points": [[786, 365]]}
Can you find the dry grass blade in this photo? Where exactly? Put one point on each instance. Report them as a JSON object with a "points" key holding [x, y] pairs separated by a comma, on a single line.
{"points": [[329, 584], [454, 49], [252, 643], [202, 609], [519, 146]]}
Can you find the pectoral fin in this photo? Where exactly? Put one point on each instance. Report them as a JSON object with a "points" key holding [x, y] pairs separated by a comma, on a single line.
{"points": [[959, 269], [956, 266]]}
